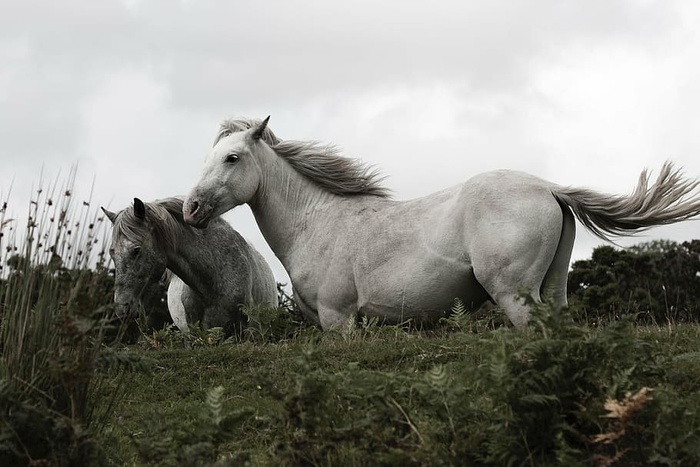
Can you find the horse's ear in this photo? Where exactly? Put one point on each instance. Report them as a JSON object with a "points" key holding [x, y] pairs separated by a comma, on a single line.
{"points": [[139, 209], [112, 216], [260, 129]]}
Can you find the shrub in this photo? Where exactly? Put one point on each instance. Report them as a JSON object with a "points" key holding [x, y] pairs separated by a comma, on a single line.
{"points": [[657, 282], [269, 324]]}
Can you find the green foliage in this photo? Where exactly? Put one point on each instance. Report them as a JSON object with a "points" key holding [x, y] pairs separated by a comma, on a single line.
{"points": [[153, 313], [327, 416], [169, 337], [554, 394], [269, 324], [547, 394], [194, 439], [462, 319], [265, 324], [51, 334], [656, 281]]}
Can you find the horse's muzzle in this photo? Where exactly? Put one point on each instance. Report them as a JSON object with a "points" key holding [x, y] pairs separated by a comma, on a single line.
{"points": [[125, 311], [194, 213]]}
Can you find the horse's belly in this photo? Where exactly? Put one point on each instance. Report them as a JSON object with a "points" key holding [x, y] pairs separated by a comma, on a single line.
{"points": [[424, 294]]}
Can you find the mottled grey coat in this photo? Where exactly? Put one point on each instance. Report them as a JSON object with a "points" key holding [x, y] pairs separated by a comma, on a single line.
{"points": [[216, 270]]}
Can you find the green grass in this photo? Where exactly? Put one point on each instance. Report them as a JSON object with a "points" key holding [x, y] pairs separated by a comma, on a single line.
{"points": [[383, 396]]}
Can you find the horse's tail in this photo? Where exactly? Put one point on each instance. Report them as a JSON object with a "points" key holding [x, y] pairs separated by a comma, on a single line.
{"points": [[672, 198]]}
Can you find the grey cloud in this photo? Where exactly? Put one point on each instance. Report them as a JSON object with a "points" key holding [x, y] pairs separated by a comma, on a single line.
{"points": [[241, 53], [267, 52]]}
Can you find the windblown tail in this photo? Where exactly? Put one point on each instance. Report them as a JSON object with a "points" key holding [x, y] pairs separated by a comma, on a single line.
{"points": [[670, 199]]}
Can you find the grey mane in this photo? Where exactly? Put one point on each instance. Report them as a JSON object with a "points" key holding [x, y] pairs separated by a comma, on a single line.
{"points": [[163, 219], [321, 163]]}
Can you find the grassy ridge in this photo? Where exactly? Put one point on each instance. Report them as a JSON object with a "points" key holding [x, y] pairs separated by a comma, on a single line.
{"points": [[555, 394]]}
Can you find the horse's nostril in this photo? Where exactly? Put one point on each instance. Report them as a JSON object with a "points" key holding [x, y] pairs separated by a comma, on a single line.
{"points": [[194, 206]]}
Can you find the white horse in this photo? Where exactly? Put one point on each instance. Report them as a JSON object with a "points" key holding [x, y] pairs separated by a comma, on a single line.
{"points": [[350, 250], [215, 269]]}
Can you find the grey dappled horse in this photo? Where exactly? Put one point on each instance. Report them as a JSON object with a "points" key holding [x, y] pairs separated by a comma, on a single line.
{"points": [[215, 269], [350, 250]]}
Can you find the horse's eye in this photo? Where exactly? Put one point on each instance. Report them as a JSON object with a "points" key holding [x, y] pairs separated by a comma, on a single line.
{"points": [[136, 251], [232, 158]]}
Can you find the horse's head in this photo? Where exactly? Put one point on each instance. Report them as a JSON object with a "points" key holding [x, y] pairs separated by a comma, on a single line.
{"points": [[138, 260], [230, 176]]}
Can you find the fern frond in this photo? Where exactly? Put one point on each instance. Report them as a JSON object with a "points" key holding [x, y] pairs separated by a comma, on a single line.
{"points": [[215, 404], [458, 309], [437, 377], [543, 400]]}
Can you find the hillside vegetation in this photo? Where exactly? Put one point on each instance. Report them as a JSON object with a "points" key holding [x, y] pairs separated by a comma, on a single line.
{"points": [[615, 380]]}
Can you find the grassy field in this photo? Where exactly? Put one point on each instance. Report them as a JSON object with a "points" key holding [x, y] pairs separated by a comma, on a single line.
{"points": [[464, 394]]}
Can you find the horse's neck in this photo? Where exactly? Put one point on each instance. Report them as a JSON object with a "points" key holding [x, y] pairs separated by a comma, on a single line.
{"points": [[193, 258], [287, 203]]}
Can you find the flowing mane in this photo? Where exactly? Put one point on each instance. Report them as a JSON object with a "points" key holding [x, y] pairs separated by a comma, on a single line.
{"points": [[163, 218], [321, 163]]}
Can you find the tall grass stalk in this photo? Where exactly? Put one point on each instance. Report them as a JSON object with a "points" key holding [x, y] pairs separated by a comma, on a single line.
{"points": [[52, 287]]}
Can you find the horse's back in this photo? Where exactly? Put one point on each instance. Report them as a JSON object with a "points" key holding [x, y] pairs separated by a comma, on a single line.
{"points": [[506, 199]]}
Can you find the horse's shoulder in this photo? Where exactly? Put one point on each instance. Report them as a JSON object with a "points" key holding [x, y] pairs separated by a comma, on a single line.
{"points": [[238, 247]]}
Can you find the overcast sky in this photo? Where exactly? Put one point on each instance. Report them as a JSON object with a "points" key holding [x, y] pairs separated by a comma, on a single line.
{"points": [[580, 93]]}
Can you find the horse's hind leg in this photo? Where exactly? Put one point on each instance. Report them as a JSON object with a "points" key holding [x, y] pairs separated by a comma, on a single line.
{"points": [[506, 283], [178, 293], [514, 305], [554, 285], [518, 262]]}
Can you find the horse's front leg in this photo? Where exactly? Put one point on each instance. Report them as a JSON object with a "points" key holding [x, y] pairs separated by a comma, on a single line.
{"points": [[335, 319], [337, 301]]}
